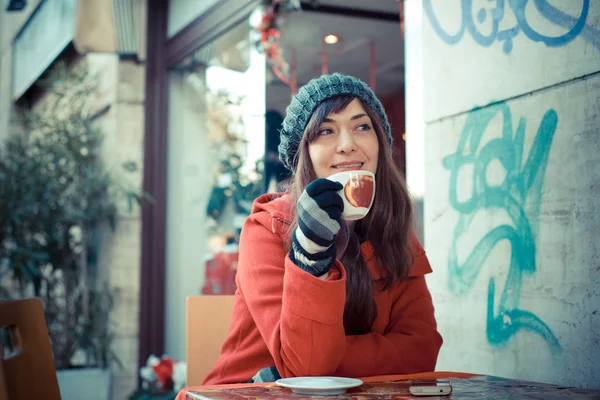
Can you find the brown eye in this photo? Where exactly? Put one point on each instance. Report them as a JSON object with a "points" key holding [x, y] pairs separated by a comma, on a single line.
{"points": [[364, 127]]}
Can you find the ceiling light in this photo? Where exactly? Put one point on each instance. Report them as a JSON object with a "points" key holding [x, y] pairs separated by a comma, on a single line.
{"points": [[331, 39]]}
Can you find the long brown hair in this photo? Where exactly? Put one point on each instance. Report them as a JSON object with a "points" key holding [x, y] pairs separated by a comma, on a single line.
{"points": [[387, 226]]}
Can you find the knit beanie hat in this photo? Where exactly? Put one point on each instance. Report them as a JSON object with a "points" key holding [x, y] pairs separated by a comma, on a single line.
{"points": [[309, 96]]}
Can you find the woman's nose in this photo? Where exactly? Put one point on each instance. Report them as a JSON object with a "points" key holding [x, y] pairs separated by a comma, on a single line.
{"points": [[346, 142]]}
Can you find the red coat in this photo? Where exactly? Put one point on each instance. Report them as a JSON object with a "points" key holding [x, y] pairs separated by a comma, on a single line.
{"points": [[284, 316]]}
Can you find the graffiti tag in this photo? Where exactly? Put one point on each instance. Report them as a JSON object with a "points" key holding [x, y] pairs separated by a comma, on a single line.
{"points": [[519, 196], [576, 26]]}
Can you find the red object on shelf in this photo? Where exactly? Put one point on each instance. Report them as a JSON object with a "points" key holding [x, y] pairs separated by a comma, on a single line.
{"points": [[220, 272]]}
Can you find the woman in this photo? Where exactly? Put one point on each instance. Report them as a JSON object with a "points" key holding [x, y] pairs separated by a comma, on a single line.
{"points": [[318, 296]]}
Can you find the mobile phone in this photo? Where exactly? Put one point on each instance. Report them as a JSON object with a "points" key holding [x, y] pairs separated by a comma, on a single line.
{"points": [[430, 388]]}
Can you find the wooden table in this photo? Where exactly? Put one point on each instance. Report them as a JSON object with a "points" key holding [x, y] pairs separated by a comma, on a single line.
{"points": [[465, 386]]}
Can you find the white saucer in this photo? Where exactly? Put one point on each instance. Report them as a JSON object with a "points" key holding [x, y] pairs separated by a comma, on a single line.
{"points": [[319, 385]]}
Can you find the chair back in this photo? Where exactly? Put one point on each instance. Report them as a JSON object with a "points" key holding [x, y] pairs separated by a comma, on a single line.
{"points": [[208, 319], [28, 368]]}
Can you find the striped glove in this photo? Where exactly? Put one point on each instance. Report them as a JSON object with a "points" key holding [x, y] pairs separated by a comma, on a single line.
{"points": [[319, 215]]}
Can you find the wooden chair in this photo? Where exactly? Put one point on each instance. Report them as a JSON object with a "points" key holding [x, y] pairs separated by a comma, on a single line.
{"points": [[28, 371], [208, 319]]}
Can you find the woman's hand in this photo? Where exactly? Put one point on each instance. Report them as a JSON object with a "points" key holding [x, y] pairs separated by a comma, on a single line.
{"points": [[319, 215]]}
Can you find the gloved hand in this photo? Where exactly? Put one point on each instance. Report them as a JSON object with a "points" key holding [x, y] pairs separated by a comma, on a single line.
{"points": [[319, 214]]}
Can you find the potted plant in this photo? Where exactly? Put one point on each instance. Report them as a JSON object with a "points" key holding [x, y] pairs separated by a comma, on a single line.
{"points": [[56, 198]]}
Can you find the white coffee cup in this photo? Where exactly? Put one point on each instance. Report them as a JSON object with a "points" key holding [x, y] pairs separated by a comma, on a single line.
{"points": [[358, 192]]}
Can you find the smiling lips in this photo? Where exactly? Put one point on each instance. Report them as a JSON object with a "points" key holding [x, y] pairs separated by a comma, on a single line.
{"points": [[348, 166]]}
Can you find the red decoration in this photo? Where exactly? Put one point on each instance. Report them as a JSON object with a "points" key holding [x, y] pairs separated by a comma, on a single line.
{"points": [[162, 376], [269, 39], [164, 372]]}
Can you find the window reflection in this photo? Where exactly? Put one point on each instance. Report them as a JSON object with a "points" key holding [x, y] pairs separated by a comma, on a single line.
{"points": [[215, 150]]}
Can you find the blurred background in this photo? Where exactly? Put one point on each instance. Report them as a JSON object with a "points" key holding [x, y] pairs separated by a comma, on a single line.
{"points": [[137, 133]]}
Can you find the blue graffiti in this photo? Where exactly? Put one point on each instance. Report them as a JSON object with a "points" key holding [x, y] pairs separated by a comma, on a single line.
{"points": [[576, 26], [519, 195]]}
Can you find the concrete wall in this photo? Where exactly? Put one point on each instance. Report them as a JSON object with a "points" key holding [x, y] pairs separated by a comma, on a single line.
{"points": [[122, 88], [512, 165]]}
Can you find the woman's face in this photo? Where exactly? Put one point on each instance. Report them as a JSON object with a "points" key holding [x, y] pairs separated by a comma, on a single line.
{"points": [[347, 141]]}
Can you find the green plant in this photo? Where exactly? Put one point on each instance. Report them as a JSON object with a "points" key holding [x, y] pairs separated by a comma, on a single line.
{"points": [[56, 197]]}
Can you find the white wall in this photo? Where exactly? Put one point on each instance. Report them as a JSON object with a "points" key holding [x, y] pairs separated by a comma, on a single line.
{"points": [[511, 188], [476, 70], [415, 123], [189, 181]]}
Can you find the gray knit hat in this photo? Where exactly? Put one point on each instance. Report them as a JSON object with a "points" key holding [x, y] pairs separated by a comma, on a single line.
{"points": [[309, 96]]}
